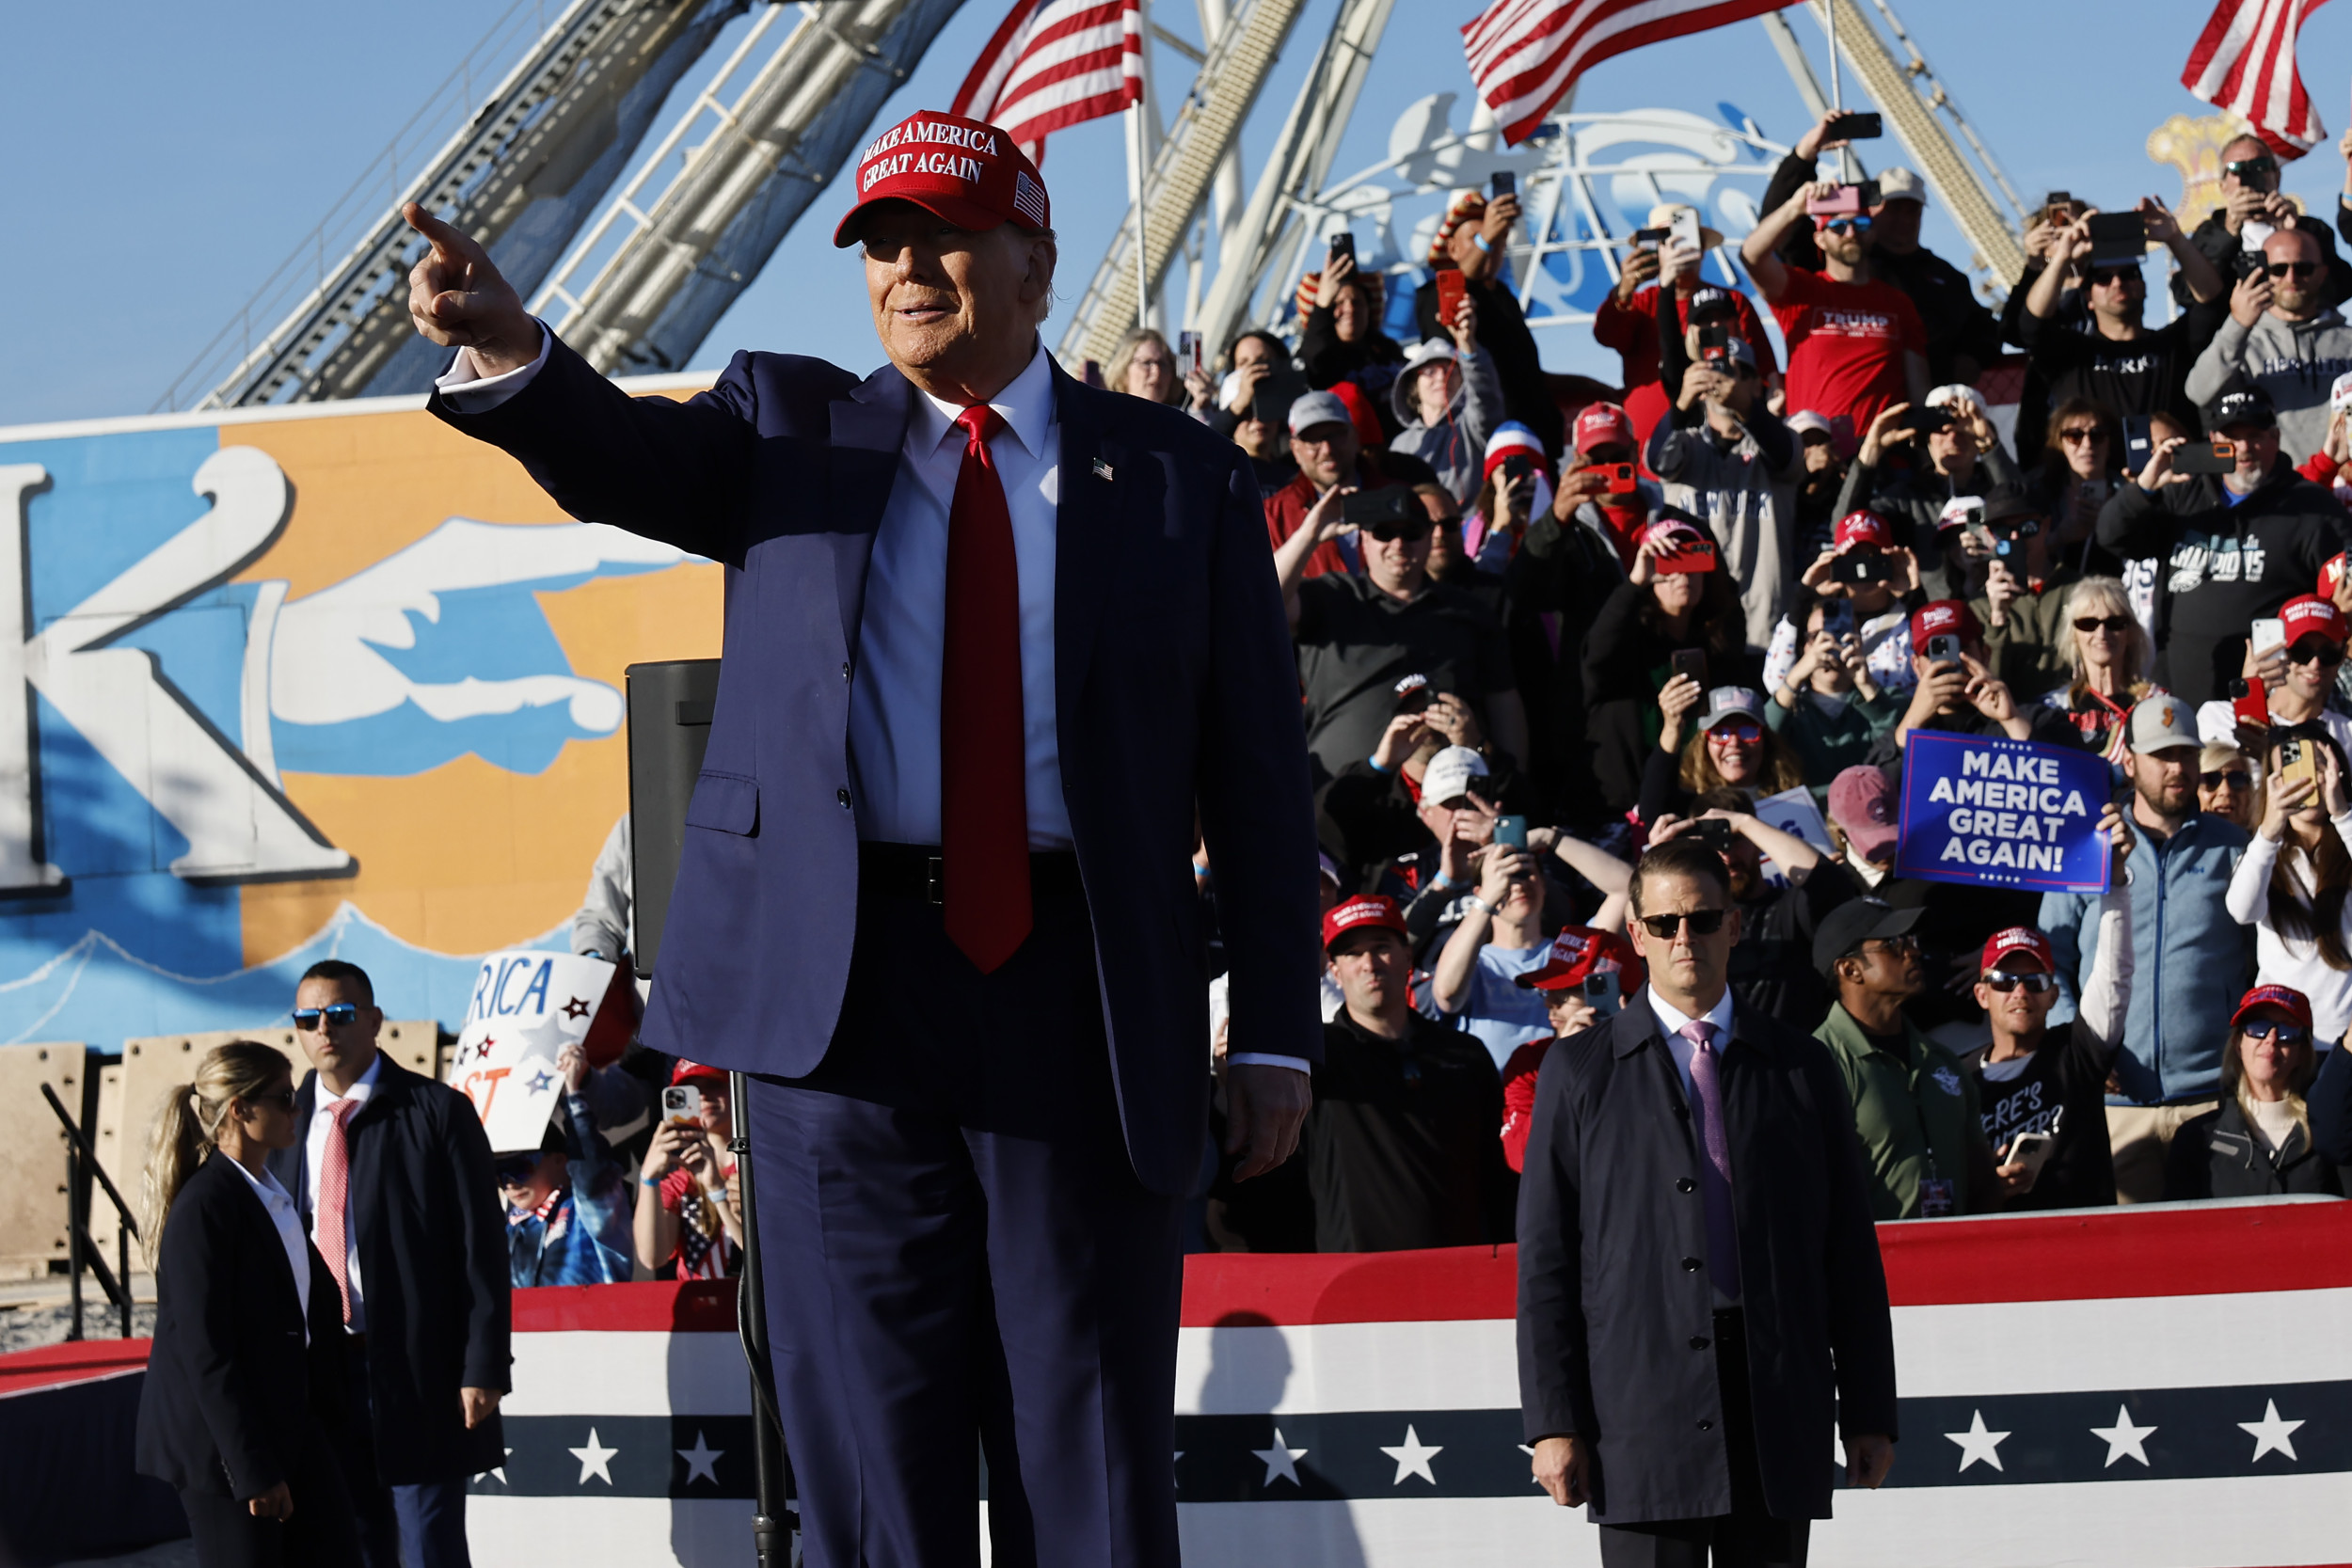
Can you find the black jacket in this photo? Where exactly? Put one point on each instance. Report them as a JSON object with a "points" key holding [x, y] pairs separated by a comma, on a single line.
{"points": [[2216, 1155], [2227, 253], [231, 1395], [1615, 1312], [432, 1237]]}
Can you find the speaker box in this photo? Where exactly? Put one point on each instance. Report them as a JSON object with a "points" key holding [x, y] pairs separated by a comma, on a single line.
{"points": [[669, 728]]}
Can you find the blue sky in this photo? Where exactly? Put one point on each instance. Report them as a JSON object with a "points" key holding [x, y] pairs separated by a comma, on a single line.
{"points": [[157, 159]]}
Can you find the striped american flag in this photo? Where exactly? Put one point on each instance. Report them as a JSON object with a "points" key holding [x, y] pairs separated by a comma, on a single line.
{"points": [[1524, 54], [1055, 63], [2244, 62]]}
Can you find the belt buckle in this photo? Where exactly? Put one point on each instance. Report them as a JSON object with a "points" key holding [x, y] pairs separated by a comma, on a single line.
{"points": [[934, 879]]}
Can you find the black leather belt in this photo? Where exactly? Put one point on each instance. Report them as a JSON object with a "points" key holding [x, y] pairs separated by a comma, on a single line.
{"points": [[916, 871]]}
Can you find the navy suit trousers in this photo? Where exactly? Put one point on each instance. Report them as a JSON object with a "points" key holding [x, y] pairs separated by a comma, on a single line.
{"points": [[959, 1259]]}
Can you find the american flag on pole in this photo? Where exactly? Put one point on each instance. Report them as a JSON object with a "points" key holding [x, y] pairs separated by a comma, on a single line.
{"points": [[2244, 62], [1524, 54], [1054, 63]]}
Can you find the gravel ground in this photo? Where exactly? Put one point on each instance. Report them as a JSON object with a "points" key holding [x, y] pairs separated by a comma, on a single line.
{"points": [[26, 1325]]}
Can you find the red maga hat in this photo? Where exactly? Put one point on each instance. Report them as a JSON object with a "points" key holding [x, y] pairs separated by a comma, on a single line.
{"points": [[2019, 938], [1866, 529], [2285, 998], [691, 1073], [967, 172], [1580, 952], [2331, 574], [1599, 423], [1940, 617], [1372, 909], [2305, 615]]}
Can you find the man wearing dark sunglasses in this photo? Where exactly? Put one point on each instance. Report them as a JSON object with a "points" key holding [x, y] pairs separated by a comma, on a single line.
{"points": [[2046, 1084], [2284, 336], [1914, 1106], [395, 1175], [2252, 207], [2121, 364], [2316, 632], [1698, 1278]]}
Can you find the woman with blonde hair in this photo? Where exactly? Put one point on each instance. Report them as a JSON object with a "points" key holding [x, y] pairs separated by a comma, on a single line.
{"points": [[1143, 366], [2226, 786], [2108, 657], [2257, 1142], [242, 1384]]}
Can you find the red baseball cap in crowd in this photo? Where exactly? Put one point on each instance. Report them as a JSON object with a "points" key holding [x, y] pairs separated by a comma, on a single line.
{"points": [[1600, 423], [2305, 615], [697, 1072], [1578, 953], [1371, 908], [1862, 803], [969, 173], [2019, 938], [1867, 528], [1944, 617], [2285, 998], [2331, 575]]}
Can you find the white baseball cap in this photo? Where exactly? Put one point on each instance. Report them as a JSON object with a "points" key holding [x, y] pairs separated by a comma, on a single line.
{"points": [[1899, 184], [1450, 774], [1953, 394]]}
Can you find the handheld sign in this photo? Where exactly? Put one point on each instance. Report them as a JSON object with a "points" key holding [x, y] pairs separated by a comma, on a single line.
{"points": [[527, 1007], [2002, 813], [1793, 811]]}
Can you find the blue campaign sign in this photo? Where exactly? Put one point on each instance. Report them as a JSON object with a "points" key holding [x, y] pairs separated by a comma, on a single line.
{"points": [[2002, 813]]}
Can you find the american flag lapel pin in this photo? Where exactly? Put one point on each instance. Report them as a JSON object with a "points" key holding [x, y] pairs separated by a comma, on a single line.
{"points": [[1101, 470]]}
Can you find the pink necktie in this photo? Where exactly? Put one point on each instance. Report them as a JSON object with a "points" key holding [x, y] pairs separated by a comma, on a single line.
{"points": [[1707, 1088], [328, 1225], [983, 802]]}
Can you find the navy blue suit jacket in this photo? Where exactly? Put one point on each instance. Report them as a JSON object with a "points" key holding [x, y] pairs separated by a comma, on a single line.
{"points": [[1617, 1313], [1176, 692]]}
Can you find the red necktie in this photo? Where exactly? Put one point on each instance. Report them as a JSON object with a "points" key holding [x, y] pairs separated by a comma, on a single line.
{"points": [[983, 804], [333, 1191]]}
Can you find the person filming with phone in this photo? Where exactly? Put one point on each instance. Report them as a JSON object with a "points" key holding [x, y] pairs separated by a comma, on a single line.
{"points": [[2239, 532], [689, 1218], [2283, 337], [2042, 1088], [1958, 691], [1725, 457], [1962, 464], [1856, 345], [2294, 886]]}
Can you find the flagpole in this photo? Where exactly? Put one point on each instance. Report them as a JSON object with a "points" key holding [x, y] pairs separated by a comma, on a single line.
{"points": [[1134, 195], [1837, 92]]}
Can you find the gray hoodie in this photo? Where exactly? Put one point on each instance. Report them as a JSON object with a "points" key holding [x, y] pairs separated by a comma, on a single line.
{"points": [[1457, 448], [2296, 362]]}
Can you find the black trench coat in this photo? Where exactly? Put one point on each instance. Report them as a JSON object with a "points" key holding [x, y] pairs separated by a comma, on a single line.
{"points": [[1609, 1210]]}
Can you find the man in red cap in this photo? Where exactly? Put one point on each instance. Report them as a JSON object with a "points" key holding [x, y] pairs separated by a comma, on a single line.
{"points": [[2315, 634], [2042, 1090], [1958, 691], [1400, 1150], [967, 594]]}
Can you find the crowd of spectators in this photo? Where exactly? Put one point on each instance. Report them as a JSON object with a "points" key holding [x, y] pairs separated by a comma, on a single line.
{"points": [[1541, 632]]}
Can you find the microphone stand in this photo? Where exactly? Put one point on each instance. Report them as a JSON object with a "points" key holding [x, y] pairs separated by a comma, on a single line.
{"points": [[776, 1528]]}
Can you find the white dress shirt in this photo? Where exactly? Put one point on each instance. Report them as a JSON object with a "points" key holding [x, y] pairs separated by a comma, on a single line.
{"points": [[1670, 1022], [894, 703], [314, 1154], [282, 1213]]}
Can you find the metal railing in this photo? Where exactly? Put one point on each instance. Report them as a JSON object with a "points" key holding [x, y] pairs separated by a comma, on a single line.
{"points": [[79, 1157]]}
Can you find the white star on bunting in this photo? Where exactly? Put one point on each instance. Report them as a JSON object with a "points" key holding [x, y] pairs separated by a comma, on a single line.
{"points": [[594, 1460], [2271, 1432], [701, 1461], [1412, 1458], [1976, 1443], [2124, 1438], [1279, 1461]]}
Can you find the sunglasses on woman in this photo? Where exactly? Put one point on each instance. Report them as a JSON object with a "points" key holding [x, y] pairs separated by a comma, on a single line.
{"points": [[2004, 982], [2289, 1034], [1703, 923], [283, 1098], [2236, 778], [1740, 730], [2103, 622], [2079, 434]]}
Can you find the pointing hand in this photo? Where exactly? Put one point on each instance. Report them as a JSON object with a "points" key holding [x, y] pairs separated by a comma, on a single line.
{"points": [[456, 298]]}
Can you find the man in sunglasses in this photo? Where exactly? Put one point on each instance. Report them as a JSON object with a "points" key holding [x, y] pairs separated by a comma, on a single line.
{"points": [[2234, 546], [1855, 343], [2284, 336], [2042, 1081], [1358, 633], [395, 1175], [2316, 632], [2252, 208], [1699, 1283], [2121, 364]]}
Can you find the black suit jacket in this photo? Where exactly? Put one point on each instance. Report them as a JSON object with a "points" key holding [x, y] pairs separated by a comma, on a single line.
{"points": [[230, 1391], [433, 1272], [1615, 1309], [1175, 691]]}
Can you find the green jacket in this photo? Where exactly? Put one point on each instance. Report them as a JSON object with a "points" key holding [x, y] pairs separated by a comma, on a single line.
{"points": [[1914, 1122], [2029, 649]]}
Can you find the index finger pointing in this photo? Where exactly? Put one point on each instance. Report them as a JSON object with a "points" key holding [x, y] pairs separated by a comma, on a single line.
{"points": [[449, 244]]}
